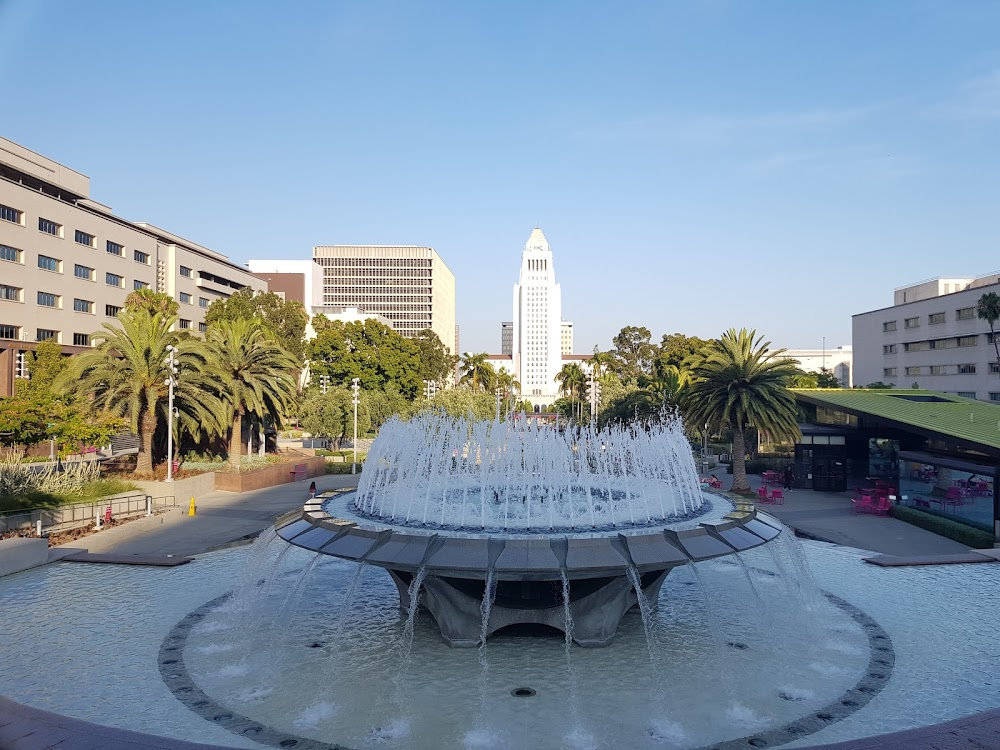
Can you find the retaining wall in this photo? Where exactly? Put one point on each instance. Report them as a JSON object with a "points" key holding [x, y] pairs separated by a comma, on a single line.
{"points": [[21, 553], [181, 489], [269, 476]]}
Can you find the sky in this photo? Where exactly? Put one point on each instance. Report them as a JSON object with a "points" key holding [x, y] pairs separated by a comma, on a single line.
{"points": [[695, 165]]}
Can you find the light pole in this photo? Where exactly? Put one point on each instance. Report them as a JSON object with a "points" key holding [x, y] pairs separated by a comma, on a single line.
{"points": [[171, 380], [430, 388], [355, 387]]}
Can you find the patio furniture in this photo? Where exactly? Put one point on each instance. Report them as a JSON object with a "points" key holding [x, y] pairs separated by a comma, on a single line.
{"points": [[762, 495], [778, 497], [881, 506], [862, 504]]}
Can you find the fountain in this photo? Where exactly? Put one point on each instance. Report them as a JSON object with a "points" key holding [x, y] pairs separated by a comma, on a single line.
{"points": [[506, 516]]}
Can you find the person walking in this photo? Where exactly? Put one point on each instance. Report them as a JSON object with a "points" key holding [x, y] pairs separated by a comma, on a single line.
{"points": [[788, 476], [312, 490]]}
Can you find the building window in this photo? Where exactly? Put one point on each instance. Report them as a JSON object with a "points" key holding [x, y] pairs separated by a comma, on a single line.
{"points": [[935, 318], [913, 370], [889, 372], [916, 346], [185, 272], [49, 264], [83, 305], [11, 254], [49, 227], [112, 310], [83, 272], [966, 313], [11, 214], [966, 369], [889, 349], [994, 368], [82, 238], [911, 323], [202, 302], [10, 293], [185, 298], [203, 326], [184, 323], [889, 326], [46, 334], [966, 394], [9, 332], [137, 285], [939, 370], [81, 339], [141, 257], [113, 279], [966, 340], [45, 299], [994, 396], [115, 249]]}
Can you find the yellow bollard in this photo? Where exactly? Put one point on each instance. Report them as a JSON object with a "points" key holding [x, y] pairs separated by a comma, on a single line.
{"points": [[191, 508]]}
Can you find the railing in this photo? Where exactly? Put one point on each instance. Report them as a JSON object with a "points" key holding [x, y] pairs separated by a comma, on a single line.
{"points": [[62, 517]]}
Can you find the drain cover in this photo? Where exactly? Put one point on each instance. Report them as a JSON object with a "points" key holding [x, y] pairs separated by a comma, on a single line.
{"points": [[522, 692]]}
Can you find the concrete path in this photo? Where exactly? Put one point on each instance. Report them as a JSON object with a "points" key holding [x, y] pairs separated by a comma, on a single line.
{"points": [[830, 517], [222, 518]]}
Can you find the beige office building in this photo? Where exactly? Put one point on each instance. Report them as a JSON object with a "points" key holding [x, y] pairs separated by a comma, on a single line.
{"points": [[410, 286], [67, 262]]}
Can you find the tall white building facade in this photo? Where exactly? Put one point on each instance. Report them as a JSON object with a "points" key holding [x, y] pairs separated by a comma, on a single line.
{"points": [[536, 335]]}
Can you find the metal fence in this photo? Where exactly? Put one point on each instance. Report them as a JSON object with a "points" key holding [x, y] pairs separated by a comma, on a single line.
{"points": [[63, 517]]}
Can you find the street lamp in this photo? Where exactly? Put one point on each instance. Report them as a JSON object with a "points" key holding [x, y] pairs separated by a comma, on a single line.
{"points": [[430, 388], [171, 380], [355, 387]]}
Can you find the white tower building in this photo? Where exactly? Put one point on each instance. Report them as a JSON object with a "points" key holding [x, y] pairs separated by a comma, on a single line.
{"points": [[537, 325]]}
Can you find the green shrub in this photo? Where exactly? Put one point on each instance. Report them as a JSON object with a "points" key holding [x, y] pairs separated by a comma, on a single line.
{"points": [[345, 468], [976, 538]]}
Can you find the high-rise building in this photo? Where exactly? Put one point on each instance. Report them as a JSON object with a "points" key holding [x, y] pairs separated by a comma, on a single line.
{"points": [[67, 262], [536, 344], [566, 338], [409, 285]]}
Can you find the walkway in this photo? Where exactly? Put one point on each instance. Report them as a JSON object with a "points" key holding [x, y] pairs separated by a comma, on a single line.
{"points": [[829, 516], [222, 518]]}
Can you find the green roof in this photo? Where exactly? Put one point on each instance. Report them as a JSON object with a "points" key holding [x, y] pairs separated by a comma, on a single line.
{"points": [[965, 419]]}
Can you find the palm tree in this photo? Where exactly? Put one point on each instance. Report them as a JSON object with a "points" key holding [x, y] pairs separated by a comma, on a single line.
{"points": [[737, 382], [508, 386], [988, 309], [125, 374], [572, 382], [477, 371], [253, 373]]}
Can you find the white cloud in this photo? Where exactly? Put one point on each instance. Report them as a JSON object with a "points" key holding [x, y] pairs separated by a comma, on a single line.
{"points": [[977, 99]]}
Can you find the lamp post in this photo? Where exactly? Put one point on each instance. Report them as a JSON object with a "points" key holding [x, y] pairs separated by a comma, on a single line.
{"points": [[355, 387], [171, 380]]}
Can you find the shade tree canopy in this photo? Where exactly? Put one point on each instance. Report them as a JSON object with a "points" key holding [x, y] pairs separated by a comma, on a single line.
{"points": [[287, 319]]}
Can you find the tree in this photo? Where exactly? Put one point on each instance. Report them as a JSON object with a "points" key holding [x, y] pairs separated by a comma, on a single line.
{"points": [[572, 383], [477, 372], [674, 349], [252, 373], [632, 353], [368, 350], [331, 414], [509, 389], [437, 363], [826, 379], [738, 383], [460, 402], [287, 319], [152, 302], [124, 376], [988, 309]]}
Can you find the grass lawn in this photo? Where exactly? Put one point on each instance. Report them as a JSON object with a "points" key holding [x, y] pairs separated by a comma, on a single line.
{"points": [[91, 491]]}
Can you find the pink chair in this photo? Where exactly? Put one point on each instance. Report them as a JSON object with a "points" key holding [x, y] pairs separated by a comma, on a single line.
{"points": [[862, 504], [762, 494], [778, 497], [953, 496], [881, 508]]}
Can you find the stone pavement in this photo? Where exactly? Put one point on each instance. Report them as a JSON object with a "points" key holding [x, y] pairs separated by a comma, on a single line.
{"points": [[222, 518], [829, 516]]}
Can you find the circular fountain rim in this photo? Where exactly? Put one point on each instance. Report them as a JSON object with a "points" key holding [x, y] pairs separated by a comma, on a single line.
{"points": [[538, 556]]}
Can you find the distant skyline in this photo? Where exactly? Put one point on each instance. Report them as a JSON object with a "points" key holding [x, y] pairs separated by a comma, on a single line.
{"points": [[695, 165]]}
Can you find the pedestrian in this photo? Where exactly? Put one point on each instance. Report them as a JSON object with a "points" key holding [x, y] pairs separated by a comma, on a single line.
{"points": [[312, 490], [789, 475]]}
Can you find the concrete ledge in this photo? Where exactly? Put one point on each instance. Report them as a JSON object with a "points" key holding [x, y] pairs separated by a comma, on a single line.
{"points": [[22, 553], [894, 561], [162, 561]]}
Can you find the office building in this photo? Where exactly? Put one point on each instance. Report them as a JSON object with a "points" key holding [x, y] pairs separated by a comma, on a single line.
{"points": [[930, 338], [838, 360], [67, 262]]}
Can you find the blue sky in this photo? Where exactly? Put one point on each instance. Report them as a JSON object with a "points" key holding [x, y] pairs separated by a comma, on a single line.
{"points": [[695, 165]]}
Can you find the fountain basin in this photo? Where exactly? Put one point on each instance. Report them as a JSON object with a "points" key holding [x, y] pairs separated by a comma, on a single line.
{"points": [[529, 571]]}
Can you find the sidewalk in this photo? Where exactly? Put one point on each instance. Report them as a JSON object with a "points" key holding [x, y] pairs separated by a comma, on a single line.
{"points": [[829, 516], [221, 519]]}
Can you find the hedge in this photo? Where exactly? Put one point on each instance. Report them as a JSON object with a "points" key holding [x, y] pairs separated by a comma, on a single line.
{"points": [[975, 538]]}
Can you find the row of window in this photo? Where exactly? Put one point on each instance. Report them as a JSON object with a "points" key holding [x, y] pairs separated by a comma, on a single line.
{"points": [[374, 262], [960, 369], [952, 342], [13, 333], [963, 313]]}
